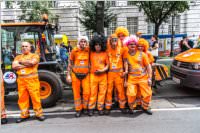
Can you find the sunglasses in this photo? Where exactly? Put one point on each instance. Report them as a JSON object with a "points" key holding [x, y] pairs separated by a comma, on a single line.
{"points": [[114, 39], [24, 46]]}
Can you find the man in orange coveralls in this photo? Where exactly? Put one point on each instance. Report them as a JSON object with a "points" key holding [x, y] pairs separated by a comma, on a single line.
{"points": [[26, 65], [139, 77], [143, 46], [3, 113], [79, 63], [115, 74], [98, 76]]}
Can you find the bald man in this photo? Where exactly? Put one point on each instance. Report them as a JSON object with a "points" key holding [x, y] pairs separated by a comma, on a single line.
{"points": [[26, 66]]}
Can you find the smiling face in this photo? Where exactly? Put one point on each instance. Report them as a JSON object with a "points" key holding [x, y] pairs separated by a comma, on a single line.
{"points": [[82, 43], [26, 47], [140, 48], [121, 36], [97, 47], [113, 42], [132, 46]]}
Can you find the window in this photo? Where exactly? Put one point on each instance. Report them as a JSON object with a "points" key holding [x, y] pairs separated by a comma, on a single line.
{"points": [[150, 28], [176, 25], [9, 4], [130, 3], [111, 3], [132, 24], [112, 26]]}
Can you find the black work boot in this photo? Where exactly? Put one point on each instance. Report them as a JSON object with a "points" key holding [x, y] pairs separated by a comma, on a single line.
{"points": [[19, 120], [124, 111], [132, 111], [91, 112], [147, 111], [101, 112], [78, 114], [107, 111], [85, 111], [40, 118], [4, 121]]}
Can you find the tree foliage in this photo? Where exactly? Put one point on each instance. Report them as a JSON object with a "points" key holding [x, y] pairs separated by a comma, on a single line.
{"points": [[33, 10], [89, 15], [159, 11]]}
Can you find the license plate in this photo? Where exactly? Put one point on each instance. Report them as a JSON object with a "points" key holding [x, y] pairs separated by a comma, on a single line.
{"points": [[176, 80]]}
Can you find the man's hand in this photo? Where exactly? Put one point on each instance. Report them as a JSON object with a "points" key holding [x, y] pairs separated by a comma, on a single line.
{"points": [[124, 74], [149, 81]]}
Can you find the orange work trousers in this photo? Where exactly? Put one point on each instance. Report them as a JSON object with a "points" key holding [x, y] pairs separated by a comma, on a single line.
{"points": [[140, 84], [81, 102], [115, 80], [29, 86], [98, 86], [3, 112]]}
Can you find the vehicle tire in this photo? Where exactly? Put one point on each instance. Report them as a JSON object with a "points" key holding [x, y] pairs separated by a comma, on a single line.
{"points": [[50, 88]]}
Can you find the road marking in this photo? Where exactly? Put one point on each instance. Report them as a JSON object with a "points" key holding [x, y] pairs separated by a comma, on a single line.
{"points": [[72, 113]]}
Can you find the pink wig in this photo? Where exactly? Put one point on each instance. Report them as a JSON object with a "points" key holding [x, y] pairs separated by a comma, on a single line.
{"points": [[128, 40]]}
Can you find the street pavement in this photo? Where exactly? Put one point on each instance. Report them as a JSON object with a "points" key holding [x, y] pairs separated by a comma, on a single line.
{"points": [[175, 110]]}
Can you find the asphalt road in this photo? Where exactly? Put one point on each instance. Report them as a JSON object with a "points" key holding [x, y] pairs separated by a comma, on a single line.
{"points": [[162, 121], [175, 110]]}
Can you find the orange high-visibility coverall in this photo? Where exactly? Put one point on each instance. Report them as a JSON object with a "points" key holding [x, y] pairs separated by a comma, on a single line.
{"points": [[138, 79], [80, 59], [143, 42], [28, 84], [98, 83], [3, 112], [114, 76]]}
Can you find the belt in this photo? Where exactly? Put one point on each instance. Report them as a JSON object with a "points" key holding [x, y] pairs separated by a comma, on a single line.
{"points": [[142, 74], [80, 67], [116, 70], [28, 76]]}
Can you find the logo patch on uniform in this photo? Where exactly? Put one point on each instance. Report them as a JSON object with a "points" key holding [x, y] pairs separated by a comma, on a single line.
{"points": [[9, 77]]}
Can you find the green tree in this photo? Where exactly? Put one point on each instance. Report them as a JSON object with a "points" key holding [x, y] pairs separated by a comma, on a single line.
{"points": [[33, 10], [95, 15], [159, 11]]}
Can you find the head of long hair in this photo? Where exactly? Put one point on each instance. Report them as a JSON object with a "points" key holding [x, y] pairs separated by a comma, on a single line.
{"points": [[144, 43], [98, 39]]}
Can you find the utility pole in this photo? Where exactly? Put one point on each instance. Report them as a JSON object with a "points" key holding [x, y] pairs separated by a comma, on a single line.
{"points": [[172, 37], [100, 17]]}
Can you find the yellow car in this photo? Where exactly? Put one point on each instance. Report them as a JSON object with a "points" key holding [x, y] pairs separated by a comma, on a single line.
{"points": [[185, 68]]}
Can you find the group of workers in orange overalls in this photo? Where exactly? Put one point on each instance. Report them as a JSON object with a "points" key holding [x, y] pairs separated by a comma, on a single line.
{"points": [[120, 66]]}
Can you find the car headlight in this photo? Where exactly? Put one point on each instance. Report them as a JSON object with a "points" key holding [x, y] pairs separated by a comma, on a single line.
{"points": [[196, 66]]}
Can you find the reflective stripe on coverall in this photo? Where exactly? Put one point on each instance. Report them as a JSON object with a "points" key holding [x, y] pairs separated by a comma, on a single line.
{"points": [[98, 83], [3, 112], [114, 77], [138, 79], [28, 84], [80, 59]]}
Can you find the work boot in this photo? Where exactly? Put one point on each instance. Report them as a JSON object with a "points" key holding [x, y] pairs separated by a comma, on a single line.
{"points": [[78, 114], [19, 120], [41, 118], [147, 111], [85, 111], [132, 111], [124, 111], [4, 121], [138, 107], [107, 112], [101, 112], [91, 112]]}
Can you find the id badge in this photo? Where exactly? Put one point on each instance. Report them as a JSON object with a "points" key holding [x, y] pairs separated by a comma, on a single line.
{"points": [[114, 66], [23, 72], [82, 62]]}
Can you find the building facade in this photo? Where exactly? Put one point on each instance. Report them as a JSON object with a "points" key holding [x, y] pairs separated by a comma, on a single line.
{"points": [[128, 16]]}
